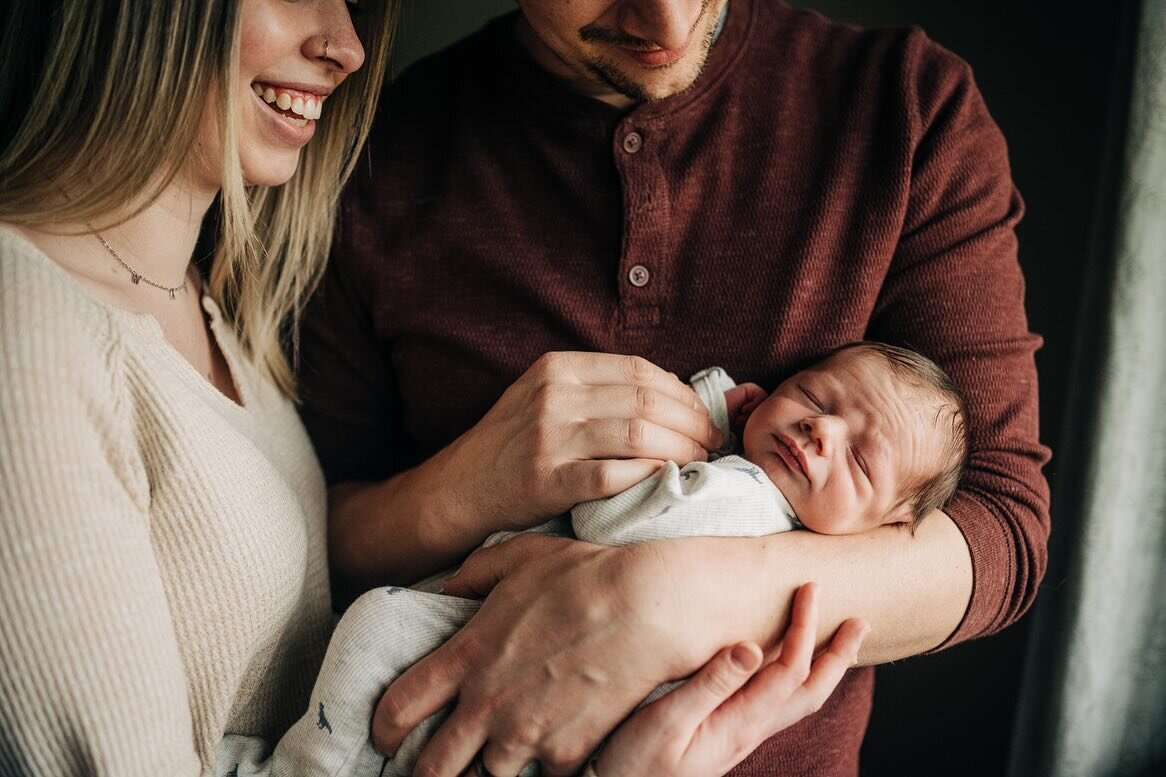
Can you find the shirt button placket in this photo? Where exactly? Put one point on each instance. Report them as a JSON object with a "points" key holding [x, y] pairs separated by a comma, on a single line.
{"points": [[645, 217], [638, 275]]}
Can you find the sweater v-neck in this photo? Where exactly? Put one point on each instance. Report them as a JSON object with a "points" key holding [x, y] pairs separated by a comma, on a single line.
{"points": [[146, 328]]}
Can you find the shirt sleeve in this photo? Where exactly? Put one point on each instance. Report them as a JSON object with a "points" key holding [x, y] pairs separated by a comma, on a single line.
{"points": [[92, 680], [955, 292], [350, 403]]}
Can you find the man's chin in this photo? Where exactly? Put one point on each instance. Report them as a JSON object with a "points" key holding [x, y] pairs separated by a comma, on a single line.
{"points": [[666, 83]]}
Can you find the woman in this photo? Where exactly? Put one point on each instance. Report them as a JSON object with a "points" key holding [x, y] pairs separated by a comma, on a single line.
{"points": [[163, 577], [164, 603]]}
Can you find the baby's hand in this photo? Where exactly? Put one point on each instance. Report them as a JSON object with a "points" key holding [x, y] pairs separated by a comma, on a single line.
{"points": [[741, 401]]}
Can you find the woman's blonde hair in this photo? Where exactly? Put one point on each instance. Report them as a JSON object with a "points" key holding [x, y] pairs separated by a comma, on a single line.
{"points": [[103, 99]]}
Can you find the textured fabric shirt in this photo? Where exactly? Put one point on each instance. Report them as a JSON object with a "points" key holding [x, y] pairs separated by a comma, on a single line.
{"points": [[819, 184], [163, 576]]}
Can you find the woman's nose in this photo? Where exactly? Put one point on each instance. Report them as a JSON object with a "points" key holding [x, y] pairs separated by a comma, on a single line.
{"points": [[336, 42]]}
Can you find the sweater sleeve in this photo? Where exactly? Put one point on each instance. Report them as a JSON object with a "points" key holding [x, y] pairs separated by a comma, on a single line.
{"points": [[93, 679], [955, 292]]}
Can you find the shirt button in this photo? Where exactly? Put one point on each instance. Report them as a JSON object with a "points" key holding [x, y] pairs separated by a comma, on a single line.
{"points": [[639, 276], [632, 142]]}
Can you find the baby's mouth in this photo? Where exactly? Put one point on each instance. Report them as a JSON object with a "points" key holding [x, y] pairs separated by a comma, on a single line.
{"points": [[791, 455], [298, 108]]}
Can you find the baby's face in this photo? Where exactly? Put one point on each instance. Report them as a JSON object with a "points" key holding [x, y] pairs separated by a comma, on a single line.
{"points": [[842, 440]]}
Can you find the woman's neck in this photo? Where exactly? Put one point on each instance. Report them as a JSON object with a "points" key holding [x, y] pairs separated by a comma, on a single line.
{"points": [[157, 243]]}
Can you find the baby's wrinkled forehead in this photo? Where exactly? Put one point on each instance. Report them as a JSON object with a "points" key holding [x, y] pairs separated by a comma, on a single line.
{"points": [[921, 392]]}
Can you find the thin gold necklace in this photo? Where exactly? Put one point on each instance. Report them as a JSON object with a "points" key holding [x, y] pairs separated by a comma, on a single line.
{"points": [[135, 276]]}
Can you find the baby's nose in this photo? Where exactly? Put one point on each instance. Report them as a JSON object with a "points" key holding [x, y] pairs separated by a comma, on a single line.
{"points": [[823, 431]]}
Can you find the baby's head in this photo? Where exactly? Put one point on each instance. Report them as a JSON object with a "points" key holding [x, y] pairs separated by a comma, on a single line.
{"points": [[870, 435]]}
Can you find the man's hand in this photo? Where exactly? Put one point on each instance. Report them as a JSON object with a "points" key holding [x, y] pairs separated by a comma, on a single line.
{"points": [[725, 711], [572, 638], [575, 427]]}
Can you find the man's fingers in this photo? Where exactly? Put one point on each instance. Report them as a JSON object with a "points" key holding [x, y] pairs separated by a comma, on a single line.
{"points": [[451, 749], [635, 438], [597, 369], [422, 690], [502, 760], [486, 567], [654, 406], [586, 480]]}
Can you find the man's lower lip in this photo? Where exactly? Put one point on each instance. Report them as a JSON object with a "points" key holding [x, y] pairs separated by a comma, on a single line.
{"points": [[655, 58]]}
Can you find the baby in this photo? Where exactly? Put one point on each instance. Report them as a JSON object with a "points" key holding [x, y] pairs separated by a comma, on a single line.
{"points": [[870, 435]]}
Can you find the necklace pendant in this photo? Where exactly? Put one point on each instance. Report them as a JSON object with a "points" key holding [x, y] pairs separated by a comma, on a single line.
{"points": [[135, 277], [171, 293]]}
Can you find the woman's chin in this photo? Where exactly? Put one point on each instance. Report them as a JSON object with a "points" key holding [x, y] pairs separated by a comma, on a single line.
{"points": [[268, 180], [271, 172]]}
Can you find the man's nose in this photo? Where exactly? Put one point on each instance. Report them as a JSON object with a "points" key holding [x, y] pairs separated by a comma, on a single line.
{"points": [[666, 23]]}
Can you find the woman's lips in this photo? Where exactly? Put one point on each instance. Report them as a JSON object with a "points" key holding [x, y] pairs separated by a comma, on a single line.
{"points": [[290, 130], [295, 103]]}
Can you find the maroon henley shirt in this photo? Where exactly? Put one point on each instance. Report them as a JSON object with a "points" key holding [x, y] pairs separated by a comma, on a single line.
{"points": [[819, 184]]}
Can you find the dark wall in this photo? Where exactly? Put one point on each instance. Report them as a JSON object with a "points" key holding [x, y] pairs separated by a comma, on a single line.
{"points": [[1047, 71]]}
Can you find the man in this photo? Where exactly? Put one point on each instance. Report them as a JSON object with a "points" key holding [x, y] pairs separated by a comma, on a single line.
{"points": [[694, 183]]}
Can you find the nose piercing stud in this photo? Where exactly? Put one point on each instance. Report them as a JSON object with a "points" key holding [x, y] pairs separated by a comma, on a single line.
{"points": [[325, 47]]}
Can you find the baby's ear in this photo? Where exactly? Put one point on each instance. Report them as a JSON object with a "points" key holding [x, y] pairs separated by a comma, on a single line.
{"points": [[902, 513]]}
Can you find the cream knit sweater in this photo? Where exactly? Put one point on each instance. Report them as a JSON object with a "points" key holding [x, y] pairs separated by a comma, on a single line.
{"points": [[163, 579]]}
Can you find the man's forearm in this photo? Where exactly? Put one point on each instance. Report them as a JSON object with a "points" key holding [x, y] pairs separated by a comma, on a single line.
{"points": [[397, 531], [913, 590]]}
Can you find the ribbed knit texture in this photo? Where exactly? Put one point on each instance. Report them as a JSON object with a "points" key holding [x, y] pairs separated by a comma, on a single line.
{"points": [[729, 497], [819, 184], [163, 578]]}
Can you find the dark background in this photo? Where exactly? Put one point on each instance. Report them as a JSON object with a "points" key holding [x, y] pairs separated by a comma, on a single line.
{"points": [[1052, 74]]}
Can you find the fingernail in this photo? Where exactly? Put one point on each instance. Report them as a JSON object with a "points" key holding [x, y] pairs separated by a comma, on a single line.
{"points": [[743, 658]]}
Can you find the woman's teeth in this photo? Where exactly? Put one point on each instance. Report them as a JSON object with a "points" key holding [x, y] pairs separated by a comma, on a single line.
{"points": [[303, 107]]}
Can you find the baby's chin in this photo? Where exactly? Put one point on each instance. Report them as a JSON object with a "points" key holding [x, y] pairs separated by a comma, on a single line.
{"points": [[818, 523]]}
